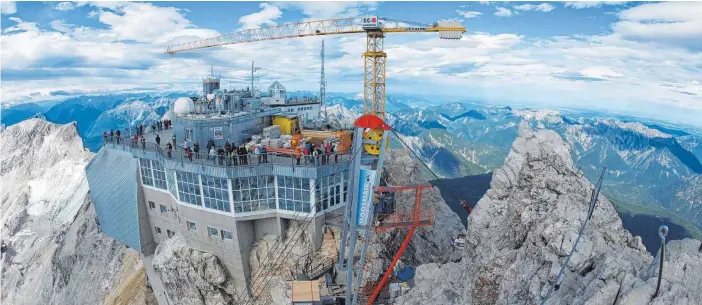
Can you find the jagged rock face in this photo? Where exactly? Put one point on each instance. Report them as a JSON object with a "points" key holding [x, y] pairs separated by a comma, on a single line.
{"points": [[522, 230], [55, 253], [191, 276], [429, 245]]}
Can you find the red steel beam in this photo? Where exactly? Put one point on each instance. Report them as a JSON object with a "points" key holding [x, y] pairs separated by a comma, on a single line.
{"points": [[390, 189], [392, 266]]}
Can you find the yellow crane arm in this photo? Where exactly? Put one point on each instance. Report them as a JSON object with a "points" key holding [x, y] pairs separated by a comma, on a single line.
{"points": [[446, 29]]}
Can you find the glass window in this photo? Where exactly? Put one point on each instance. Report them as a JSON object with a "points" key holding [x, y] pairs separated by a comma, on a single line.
{"points": [[253, 194], [213, 232], [158, 230], [188, 187], [216, 193], [294, 194], [145, 166], [330, 193], [164, 208], [159, 174], [170, 177], [191, 226], [226, 234], [152, 205]]}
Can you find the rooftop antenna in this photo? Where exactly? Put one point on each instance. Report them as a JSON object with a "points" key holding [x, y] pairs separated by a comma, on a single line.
{"points": [[323, 84], [253, 69]]}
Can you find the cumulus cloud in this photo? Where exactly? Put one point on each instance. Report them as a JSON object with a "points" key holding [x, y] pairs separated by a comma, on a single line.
{"points": [[60, 26], [469, 14], [8, 7], [65, 6], [667, 22], [503, 12], [267, 16], [543, 7], [591, 4]]}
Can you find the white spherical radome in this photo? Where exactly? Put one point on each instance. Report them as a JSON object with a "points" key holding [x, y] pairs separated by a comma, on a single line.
{"points": [[183, 106]]}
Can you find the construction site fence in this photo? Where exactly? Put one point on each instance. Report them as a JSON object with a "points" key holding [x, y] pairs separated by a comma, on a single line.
{"points": [[229, 160]]}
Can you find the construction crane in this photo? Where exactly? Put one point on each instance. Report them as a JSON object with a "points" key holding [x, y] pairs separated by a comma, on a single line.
{"points": [[374, 57]]}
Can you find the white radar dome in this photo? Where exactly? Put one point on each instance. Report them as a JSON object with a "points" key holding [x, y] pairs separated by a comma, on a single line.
{"points": [[183, 106]]}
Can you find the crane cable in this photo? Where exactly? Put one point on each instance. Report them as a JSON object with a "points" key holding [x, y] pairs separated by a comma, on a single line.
{"points": [[439, 179], [284, 254], [590, 211]]}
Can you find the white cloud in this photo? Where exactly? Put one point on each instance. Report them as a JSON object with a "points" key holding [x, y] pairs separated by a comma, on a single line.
{"points": [[666, 22], [591, 4], [65, 6], [61, 26], [543, 7], [599, 73], [20, 26], [8, 7], [503, 12], [267, 16], [469, 14]]}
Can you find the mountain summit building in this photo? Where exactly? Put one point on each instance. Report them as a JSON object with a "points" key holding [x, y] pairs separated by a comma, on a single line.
{"points": [[144, 192]]}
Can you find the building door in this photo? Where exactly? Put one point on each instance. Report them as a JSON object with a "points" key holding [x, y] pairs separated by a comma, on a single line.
{"points": [[189, 134]]}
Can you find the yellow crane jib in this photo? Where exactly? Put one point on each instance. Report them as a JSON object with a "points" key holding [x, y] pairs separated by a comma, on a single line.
{"points": [[374, 57]]}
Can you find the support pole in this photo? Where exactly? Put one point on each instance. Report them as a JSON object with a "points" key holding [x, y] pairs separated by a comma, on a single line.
{"points": [[662, 232], [349, 229]]}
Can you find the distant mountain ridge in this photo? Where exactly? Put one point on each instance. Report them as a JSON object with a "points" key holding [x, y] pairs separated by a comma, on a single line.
{"points": [[650, 164]]}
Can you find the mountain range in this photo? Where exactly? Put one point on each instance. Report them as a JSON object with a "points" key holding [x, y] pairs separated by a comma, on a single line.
{"points": [[652, 167]]}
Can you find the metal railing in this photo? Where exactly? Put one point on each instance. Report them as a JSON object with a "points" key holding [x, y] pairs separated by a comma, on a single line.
{"points": [[252, 159]]}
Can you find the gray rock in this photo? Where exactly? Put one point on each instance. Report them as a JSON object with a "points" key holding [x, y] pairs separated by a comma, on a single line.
{"points": [[522, 230], [191, 276]]}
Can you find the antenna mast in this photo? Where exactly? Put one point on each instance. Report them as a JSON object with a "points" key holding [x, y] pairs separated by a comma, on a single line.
{"points": [[323, 84]]}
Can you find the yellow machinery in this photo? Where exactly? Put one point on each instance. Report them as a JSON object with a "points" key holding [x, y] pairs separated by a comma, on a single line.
{"points": [[289, 124], [374, 57]]}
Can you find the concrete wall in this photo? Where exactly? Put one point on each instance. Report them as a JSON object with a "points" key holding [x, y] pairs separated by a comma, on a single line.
{"points": [[176, 218], [246, 239], [268, 226], [148, 245]]}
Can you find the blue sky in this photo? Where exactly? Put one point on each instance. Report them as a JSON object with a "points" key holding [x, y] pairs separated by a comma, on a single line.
{"points": [[638, 58]]}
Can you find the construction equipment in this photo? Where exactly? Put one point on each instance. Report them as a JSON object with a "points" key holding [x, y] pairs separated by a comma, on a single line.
{"points": [[416, 218], [374, 57]]}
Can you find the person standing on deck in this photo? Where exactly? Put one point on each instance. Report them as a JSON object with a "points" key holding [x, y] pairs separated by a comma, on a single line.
{"points": [[143, 142], [264, 153], [213, 154], [315, 156], [196, 148], [257, 152], [158, 140], [112, 136], [104, 137], [169, 148], [118, 133]]}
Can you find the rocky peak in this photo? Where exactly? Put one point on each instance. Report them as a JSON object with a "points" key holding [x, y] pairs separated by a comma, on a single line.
{"points": [[53, 250], [524, 227]]}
